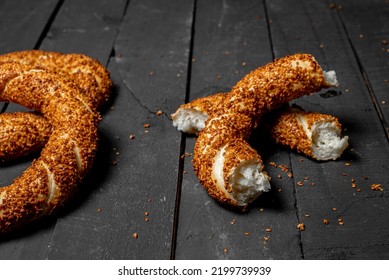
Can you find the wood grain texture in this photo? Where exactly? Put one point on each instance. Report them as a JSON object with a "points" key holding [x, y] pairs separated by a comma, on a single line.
{"points": [[367, 156], [142, 200], [23, 23], [231, 39], [152, 79], [367, 28]]}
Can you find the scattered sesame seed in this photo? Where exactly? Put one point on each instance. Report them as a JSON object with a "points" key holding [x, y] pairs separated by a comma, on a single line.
{"points": [[301, 227], [159, 113], [340, 221], [299, 183], [247, 233], [266, 238], [99, 210], [326, 221], [135, 235], [272, 163], [347, 164], [146, 125], [225, 250], [376, 187], [132, 136], [268, 229], [334, 209]]}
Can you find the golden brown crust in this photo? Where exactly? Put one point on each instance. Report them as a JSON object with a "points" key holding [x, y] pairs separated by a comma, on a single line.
{"points": [[287, 128], [68, 155], [231, 121], [22, 133], [87, 74]]}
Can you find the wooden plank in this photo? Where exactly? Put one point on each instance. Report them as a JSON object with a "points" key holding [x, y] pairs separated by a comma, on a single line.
{"points": [[88, 27], [22, 24], [367, 28], [135, 180], [362, 231], [231, 38]]}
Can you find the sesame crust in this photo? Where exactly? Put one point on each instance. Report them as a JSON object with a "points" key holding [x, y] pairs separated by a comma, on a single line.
{"points": [[52, 179], [88, 74], [293, 127], [231, 121], [23, 133]]}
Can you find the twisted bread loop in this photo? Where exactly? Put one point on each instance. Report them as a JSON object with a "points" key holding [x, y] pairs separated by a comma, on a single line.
{"points": [[23, 133], [69, 153], [229, 169]]}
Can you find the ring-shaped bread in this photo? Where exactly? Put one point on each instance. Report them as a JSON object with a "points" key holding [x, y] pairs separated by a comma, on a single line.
{"points": [[22, 133], [52, 179]]}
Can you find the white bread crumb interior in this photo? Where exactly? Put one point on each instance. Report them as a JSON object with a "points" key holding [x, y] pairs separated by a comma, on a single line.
{"points": [[326, 141], [189, 120], [248, 182]]}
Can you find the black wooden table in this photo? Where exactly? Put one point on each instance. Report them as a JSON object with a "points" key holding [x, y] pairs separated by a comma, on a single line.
{"points": [[142, 199]]}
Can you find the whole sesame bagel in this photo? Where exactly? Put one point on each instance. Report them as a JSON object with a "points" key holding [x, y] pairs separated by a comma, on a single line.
{"points": [[18, 137], [52, 179], [229, 169]]}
